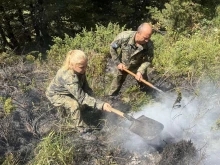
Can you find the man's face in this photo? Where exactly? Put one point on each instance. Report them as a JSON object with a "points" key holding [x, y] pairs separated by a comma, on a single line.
{"points": [[80, 67], [143, 37]]}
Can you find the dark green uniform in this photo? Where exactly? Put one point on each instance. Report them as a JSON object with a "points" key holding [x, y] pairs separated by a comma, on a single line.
{"points": [[72, 91], [136, 58]]}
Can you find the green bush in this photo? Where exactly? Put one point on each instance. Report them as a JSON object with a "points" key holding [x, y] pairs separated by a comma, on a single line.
{"points": [[178, 16], [194, 56], [96, 40], [9, 59], [30, 58], [7, 105]]}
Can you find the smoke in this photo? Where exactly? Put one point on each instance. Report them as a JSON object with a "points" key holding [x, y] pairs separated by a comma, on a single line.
{"points": [[194, 120]]}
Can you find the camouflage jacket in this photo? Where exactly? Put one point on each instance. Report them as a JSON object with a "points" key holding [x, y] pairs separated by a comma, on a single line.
{"points": [[66, 82], [123, 50]]}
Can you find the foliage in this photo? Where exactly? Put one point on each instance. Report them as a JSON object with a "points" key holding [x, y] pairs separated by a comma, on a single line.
{"points": [[53, 149], [217, 18], [209, 7], [218, 124], [10, 160], [189, 57], [178, 16], [30, 58], [8, 59], [97, 39], [136, 98], [25, 86], [30, 25], [96, 72], [8, 105]]}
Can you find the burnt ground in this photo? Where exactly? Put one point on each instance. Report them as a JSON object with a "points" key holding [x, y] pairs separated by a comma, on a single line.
{"points": [[34, 117]]}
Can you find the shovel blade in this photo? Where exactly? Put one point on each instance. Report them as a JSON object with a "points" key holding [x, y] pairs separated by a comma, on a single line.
{"points": [[146, 127]]}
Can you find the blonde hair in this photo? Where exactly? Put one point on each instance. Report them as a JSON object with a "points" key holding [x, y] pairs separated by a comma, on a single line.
{"points": [[74, 57]]}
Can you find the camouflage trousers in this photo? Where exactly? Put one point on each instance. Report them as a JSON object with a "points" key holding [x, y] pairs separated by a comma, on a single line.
{"points": [[118, 80], [72, 110]]}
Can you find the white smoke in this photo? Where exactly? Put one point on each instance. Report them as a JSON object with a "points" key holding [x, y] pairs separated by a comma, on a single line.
{"points": [[195, 120]]}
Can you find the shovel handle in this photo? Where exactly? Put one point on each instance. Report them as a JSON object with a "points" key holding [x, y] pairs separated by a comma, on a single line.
{"points": [[144, 81], [121, 114], [116, 112]]}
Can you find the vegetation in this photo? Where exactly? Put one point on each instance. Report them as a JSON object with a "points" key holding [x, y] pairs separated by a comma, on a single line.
{"points": [[54, 149], [43, 31], [189, 57], [8, 106]]}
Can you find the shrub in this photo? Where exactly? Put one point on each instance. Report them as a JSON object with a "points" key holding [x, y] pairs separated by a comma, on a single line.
{"points": [[8, 106], [97, 40], [188, 57], [9, 59], [30, 58], [178, 16]]}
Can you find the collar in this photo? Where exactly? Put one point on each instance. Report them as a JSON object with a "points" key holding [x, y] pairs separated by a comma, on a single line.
{"points": [[132, 39], [133, 44]]}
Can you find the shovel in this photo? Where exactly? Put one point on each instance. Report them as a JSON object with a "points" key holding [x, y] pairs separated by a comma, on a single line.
{"points": [[143, 126], [144, 81]]}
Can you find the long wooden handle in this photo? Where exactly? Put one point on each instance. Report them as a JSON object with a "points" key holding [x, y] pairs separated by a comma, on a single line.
{"points": [[116, 112], [144, 81], [124, 115]]}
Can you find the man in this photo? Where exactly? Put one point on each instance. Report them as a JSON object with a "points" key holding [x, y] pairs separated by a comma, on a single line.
{"points": [[136, 54], [69, 88]]}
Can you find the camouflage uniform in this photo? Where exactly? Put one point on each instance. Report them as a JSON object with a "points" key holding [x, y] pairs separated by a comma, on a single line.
{"points": [[135, 58], [71, 91]]}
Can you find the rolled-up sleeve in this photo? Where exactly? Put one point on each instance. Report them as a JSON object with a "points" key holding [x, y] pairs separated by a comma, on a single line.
{"points": [[142, 69]]}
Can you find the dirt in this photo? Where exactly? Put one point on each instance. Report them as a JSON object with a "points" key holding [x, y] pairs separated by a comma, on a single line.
{"points": [[34, 117]]}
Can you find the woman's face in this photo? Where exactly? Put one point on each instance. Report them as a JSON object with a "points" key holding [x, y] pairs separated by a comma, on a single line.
{"points": [[80, 67]]}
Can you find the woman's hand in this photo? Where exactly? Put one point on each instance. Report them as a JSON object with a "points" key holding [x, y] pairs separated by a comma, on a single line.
{"points": [[121, 66], [106, 107]]}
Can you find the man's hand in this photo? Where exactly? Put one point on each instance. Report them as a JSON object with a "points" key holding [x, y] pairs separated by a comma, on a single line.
{"points": [[121, 66], [138, 76], [106, 107]]}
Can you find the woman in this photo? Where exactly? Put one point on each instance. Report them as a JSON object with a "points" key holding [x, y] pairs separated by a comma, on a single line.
{"points": [[69, 88]]}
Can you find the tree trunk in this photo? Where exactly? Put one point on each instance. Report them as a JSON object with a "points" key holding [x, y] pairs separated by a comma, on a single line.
{"points": [[43, 24], [4, 41], [9, 30], [34, 22], [24, 25]]}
